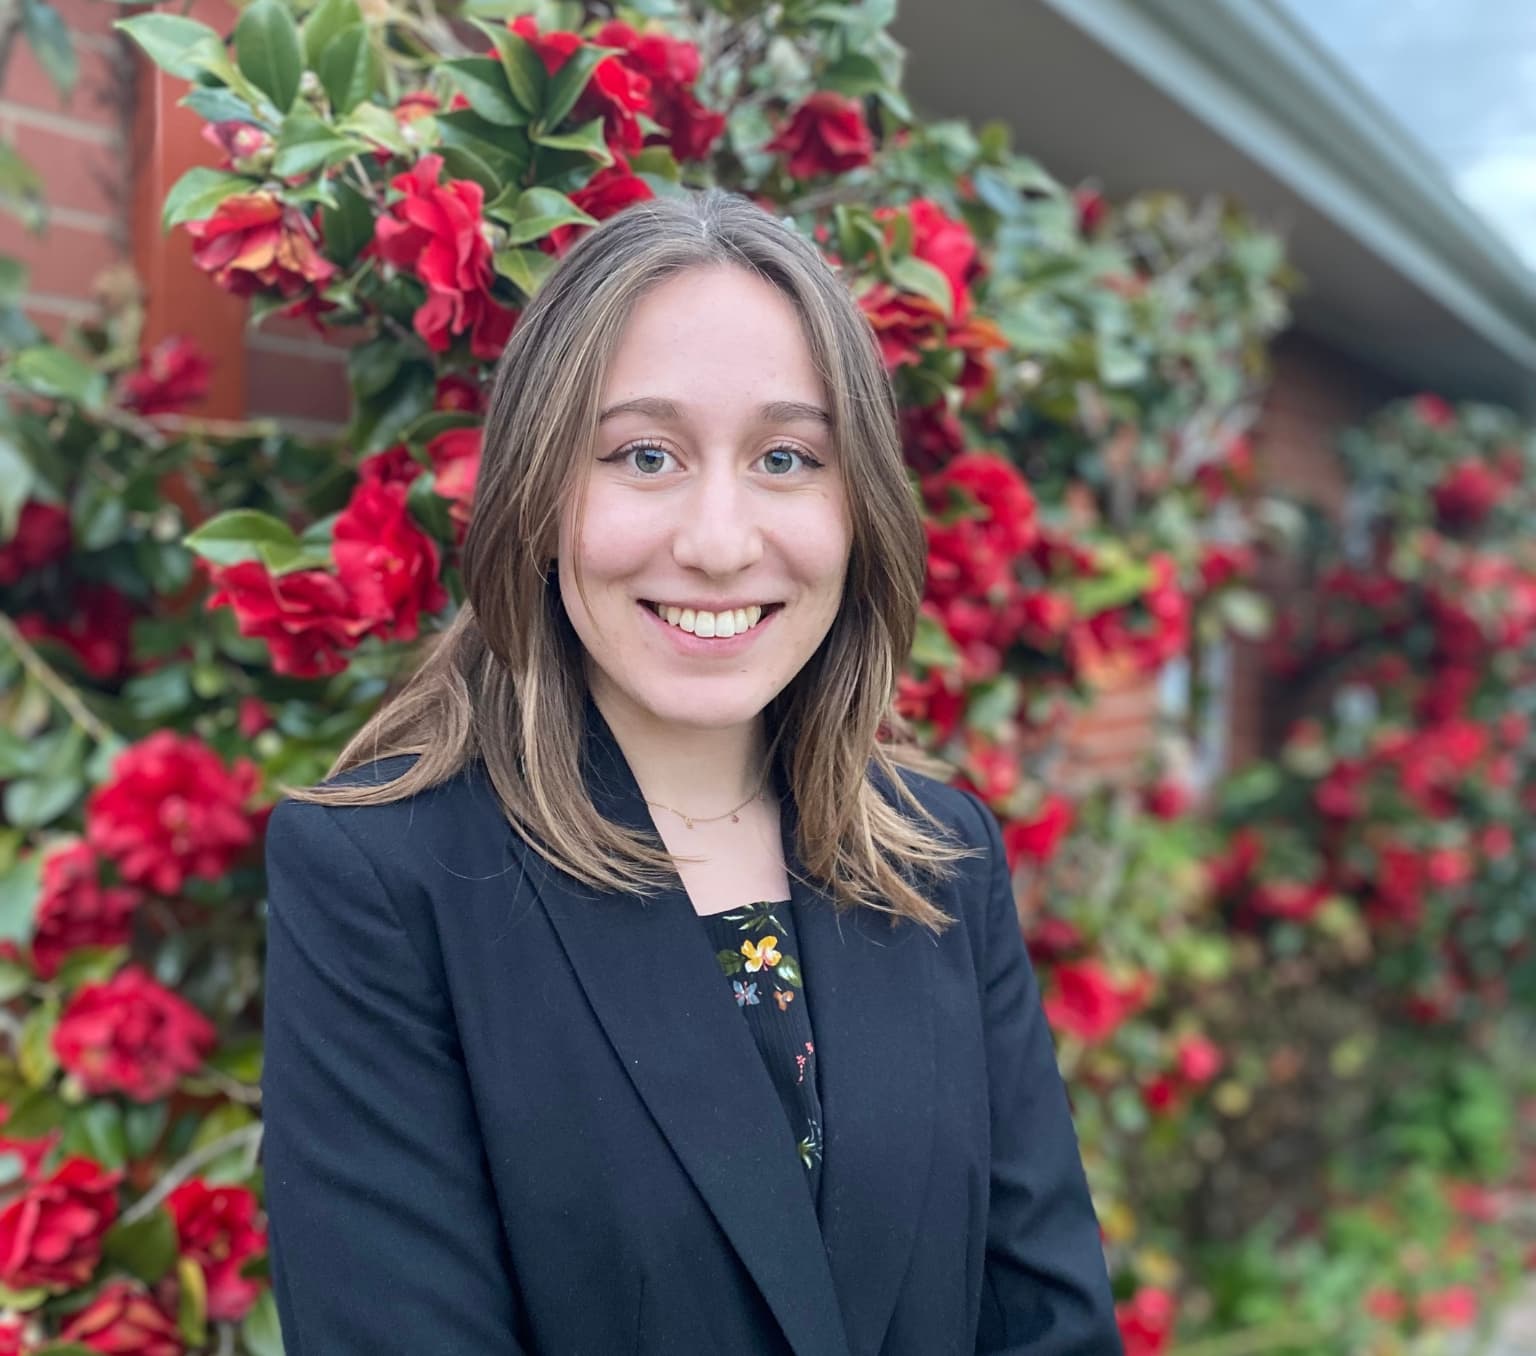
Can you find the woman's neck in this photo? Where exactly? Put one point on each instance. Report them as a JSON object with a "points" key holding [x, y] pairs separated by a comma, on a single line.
{"points": [[694, 771]]}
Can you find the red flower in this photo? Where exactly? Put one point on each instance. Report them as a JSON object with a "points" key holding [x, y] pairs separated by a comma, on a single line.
{"points": [[455, 456], [1199, 1060], [170, 810], [1085, 1002], [13, 1332], [458, 392], [939, 239], [98, 630], [31, 1151], [307, 617], [1146, 1322], [387, 563], [905, 324], [1467, 494], [255, 243], [1168, 799], [171, 376], [42, 537], [214, 1227], [826, 134], [245, 145], [1292, 899], [75, 909], [974, 554], [616, 91], [1221, 563], [130, 1035], [1434, 410], [1386, 1304], [604, 195], [253, 717], [1039, 838], [436, 232], [1051, 939], [1453, 1307], [931, 436], [125, 1320], [1092, 209], [976, 337], [932, 699], [672, 67], [50, 1235]]}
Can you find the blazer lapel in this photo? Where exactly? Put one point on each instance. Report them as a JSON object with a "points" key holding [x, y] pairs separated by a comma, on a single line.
{"points": [[869, 990], [651, 977]]}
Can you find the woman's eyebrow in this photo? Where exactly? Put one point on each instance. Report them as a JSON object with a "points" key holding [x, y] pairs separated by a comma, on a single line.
{"points": [[668, 411]]}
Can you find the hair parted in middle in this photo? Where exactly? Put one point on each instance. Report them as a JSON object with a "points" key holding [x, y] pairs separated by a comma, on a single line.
{"points": [[505, 681]]}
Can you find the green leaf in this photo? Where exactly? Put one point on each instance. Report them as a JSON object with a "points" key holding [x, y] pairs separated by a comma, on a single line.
{"points": [[376, 125], [1246, 612], [192, 1312], [348, 226], [35, 1055], [655, 160], [569, 81], [147, 1247], [484, 83], [535, 212], [505, 151], [31, 802], [50, 371], [196, 195], [15, 979], [932, 646], [89, 964], [306, 144], [18, 478], [49, 39], [143, 1124], [177, 45], [438, 421], [20, 885], [919, 276], [325, 21], [463, 163], [34, 1114], [349, 68], [526, 268], [788, 970], [588, 139], [267, 51], [991, 704], [13, 280], [237, 535], [259, 1330], [855, 75], [214, 103], [524, 68], [97, 1129]]}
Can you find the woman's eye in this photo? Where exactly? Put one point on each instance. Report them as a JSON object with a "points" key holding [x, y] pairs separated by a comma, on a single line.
{"points": [[781, 452], [640, 450], [648, 458]]}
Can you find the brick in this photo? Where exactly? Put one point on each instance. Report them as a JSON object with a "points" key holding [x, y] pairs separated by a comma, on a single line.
{"points": [[279, 384], [99, 98], [65, 261], [90, 16], [76, 174]]}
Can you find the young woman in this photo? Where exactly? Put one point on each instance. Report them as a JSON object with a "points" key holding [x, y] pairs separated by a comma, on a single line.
{"points": [[631, 986]]}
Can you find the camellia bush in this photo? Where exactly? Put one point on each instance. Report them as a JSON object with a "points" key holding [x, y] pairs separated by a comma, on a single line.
{"points": [[198, 614]]}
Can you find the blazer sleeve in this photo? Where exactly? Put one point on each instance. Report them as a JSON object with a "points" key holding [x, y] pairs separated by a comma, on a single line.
{"points": [[1045, 1289], [384, 1234]]}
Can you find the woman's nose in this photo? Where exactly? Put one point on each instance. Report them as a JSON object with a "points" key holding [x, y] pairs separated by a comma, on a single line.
{"points": [[717, 530]]}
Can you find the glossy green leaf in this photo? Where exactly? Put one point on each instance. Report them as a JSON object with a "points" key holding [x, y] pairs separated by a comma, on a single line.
{"points": [[147, 1247], [588, 139], [484, 83], [178, 45], [568, 82], [533, 213], [49, 371], [20, 885], [325, 21], [267, 51], [349, 68], [526, 77], [259, 1329], [228, 538], [35, 1056], [307, 144], [197, 194], [526, 269]]}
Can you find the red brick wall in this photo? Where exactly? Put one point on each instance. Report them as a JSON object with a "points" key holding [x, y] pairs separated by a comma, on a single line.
{"points": [[79, 148]]}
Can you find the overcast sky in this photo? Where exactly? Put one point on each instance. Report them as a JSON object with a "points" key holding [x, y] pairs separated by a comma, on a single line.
{"points": [[1461, 75]]}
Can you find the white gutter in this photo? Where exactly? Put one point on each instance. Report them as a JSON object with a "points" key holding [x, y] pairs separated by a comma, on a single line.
{"points": [[1247, 70]]}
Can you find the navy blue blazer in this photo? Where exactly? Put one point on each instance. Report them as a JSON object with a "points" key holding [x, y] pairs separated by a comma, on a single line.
{"points": [[506, 1115]]}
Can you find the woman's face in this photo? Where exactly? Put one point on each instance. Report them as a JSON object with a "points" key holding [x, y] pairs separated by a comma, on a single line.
{"points": [[714, 486]]}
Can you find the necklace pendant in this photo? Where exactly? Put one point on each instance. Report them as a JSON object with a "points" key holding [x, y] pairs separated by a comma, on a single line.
{"points": [[735, 819], [687, 821]]}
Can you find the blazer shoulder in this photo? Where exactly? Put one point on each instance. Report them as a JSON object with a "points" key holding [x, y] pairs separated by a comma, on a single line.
{"points": [[953, 806]]}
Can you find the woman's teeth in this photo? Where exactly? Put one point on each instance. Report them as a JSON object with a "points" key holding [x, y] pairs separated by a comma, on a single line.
{"points": [[711, 624]]}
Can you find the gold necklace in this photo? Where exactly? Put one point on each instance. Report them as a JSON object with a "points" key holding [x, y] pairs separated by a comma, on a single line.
{"points": [[691, 820]]}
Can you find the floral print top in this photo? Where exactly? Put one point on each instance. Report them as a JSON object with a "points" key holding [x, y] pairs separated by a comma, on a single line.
{"points": [[757, 950]]}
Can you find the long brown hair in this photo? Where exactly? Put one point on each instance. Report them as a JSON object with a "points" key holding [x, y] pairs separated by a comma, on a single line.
{"points": [[505, 681]]}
